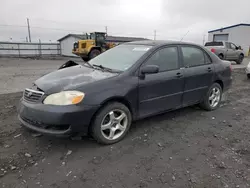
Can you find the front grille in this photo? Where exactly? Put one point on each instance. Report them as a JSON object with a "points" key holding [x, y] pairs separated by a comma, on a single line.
{"points": [[32, 95], [83, 45]]}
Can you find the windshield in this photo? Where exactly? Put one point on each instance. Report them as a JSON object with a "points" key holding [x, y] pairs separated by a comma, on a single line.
{"points": [[120, 57], [92, 36]]}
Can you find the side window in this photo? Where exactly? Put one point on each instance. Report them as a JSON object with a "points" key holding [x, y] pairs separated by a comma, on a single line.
{"points": [[207, 59], [232, 46], [193, 56], [166, 59]]}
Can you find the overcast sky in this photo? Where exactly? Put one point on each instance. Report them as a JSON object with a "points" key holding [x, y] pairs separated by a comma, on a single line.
{"points": [[172, 19]]}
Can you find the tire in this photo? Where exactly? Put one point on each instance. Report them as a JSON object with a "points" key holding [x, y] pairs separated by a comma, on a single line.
{"points": [[221, 56], [106, 128], [248, 76], [240, 59], [94, 53], [85, 58], [206, 104]]}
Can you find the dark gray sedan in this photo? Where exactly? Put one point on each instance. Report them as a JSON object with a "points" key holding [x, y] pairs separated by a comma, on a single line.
{"points": [[129, 82]]}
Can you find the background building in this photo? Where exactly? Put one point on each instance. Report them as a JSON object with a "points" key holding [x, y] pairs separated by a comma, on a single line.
{"points": [[238, 34], [67, 42]]}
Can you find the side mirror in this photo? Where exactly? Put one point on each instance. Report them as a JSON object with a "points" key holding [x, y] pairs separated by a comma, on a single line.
{"points": [[237, 48], [150, 69]]}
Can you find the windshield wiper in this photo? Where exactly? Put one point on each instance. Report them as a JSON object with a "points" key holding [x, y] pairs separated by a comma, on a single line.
{"points": [[86, 62], [103, 68]]}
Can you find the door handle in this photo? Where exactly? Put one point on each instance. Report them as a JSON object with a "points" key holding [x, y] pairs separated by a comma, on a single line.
{"points": [[209, 69], [178, 75]]}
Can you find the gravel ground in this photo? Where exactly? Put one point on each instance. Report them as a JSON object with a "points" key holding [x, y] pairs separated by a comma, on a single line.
{"points": [[185, 148]]}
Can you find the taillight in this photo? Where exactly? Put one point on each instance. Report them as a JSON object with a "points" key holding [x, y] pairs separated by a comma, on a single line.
{"points": [[213, 50], [231, 68]]}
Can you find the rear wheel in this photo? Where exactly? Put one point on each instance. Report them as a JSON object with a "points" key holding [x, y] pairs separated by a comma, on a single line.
{"points": [[221, 56], [213, 98], [94, 53], [240, 59], [111, 123]]}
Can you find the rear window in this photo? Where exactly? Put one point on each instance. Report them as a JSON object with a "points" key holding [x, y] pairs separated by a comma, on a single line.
{"points": [[214, 44]]}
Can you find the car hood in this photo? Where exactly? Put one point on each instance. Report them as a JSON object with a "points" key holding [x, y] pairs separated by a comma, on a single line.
{"points": [[70, 78]]}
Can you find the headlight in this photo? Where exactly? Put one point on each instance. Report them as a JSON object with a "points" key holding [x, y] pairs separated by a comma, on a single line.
{"points": [[64, 98]]}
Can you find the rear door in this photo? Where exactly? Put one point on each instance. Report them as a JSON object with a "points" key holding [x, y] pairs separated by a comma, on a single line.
{"points": [[198, 73], [161, 91], [230, 55]]}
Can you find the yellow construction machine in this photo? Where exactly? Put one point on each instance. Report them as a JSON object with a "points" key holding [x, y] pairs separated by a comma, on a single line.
{"points": [[94, 44]]}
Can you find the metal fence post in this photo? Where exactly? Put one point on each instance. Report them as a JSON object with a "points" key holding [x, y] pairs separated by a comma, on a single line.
{"points": [[18, 50], [40, 48], [59, 52]]}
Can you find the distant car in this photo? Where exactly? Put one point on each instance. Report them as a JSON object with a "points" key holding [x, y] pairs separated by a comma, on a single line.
{"points": [[128, 82], [248, 70], [226, 51]]}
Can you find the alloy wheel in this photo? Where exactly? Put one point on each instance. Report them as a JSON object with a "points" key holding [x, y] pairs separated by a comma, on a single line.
{"points": [[114, 124], [214, 97]]}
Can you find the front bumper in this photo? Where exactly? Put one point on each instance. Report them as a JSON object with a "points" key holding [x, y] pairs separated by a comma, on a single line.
{"points": [[56, 120]]}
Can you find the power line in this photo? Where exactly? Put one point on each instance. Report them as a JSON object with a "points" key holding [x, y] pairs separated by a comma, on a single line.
{"points": [[61, 29], [8, 25], [78, 31], [184, 35], [69, 22], [37, 27]]}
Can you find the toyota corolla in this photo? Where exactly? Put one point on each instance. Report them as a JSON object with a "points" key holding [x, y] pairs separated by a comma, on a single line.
{"points": [[129, 82]]}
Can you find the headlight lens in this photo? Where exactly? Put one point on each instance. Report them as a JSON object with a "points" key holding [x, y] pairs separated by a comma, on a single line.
{"points": [[64, 98]]}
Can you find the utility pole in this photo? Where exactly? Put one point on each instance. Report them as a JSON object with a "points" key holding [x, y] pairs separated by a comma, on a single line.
{"points": [[106, 29], [154, 34], [204, 36], [28, 23]]}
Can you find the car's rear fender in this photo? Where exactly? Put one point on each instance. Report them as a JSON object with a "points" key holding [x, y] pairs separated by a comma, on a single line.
{"points": [[223, 74]]}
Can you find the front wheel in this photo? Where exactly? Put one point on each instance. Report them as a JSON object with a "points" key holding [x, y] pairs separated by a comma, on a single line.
{"points": [[212, 98], [240, 59], [111, 123]]}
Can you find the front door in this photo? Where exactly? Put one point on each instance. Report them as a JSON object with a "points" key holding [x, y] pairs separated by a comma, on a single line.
{"points": [[198, 73], [231, 51], [161, 91], [234, 51]]}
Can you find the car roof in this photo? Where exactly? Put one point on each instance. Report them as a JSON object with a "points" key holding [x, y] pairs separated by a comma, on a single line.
{"points": [[159, 42]]}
